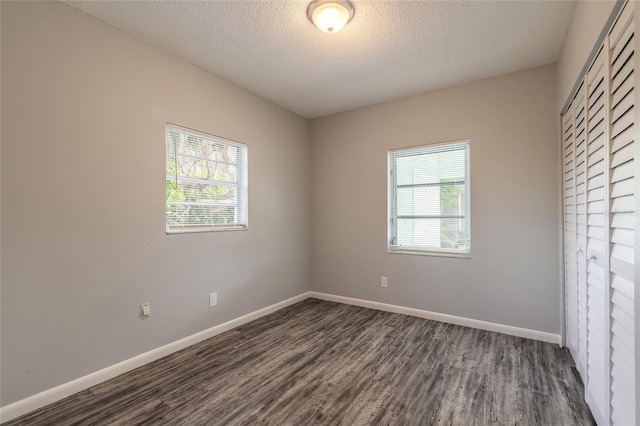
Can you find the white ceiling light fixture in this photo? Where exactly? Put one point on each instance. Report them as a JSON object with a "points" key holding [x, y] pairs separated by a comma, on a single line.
{"points": [[330, 16]]}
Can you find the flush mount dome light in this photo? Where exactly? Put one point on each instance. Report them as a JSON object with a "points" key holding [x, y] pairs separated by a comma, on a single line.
{"points": [[330, 16]]}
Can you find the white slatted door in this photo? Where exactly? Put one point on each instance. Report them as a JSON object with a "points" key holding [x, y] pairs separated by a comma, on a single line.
{"points": [[571, 289], [623, 217], [601, 176], [597, 386], [581, 227]]}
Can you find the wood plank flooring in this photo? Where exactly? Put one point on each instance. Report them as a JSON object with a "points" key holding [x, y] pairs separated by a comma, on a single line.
{"points": [[324, 363]]}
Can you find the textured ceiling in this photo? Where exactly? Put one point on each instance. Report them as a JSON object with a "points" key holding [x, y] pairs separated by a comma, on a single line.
{"points": [[391, 49]]}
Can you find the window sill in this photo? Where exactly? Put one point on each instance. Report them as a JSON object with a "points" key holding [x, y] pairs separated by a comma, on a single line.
{"points": [[429, 253], [200, 229]]}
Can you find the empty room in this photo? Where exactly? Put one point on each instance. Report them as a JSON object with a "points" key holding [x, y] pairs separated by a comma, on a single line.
{"points": [[329, 212]]}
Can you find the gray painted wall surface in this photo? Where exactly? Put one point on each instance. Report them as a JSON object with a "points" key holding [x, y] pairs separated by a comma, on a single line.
{"points": [[84, 107], [587, 22], [513, 275], [83, 197]]}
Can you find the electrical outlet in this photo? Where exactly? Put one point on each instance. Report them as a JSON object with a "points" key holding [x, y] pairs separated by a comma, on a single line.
{"points": [[383, 282], [145, 310], [213, 299]]}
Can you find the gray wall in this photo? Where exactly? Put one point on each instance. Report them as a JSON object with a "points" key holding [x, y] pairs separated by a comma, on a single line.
{"points": [[84, 107], [82, 172], [513, 275], [587, 22]]}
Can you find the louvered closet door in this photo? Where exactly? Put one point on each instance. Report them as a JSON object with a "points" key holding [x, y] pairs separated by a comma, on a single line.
{"points": [[571, 290], [601, 186], [623, 218], [597, 386], [581, 227]]}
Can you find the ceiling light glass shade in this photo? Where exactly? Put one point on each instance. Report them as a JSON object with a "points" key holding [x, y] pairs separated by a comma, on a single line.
{"points": [[330, 16]]}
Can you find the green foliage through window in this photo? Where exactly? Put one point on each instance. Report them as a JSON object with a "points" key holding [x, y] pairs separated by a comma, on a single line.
{"points": [[206, 180], [429, 199]]}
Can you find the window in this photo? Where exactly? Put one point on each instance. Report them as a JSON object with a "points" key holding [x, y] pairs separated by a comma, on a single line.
{"points": [[429, 200], [206, 182]]}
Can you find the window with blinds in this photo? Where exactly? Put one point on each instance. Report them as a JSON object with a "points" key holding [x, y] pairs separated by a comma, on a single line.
{"points": [[206, 182], [429, 200]]}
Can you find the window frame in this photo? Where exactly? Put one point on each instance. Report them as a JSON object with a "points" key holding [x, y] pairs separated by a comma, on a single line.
{"points": [[242, 185], [392, 217]]}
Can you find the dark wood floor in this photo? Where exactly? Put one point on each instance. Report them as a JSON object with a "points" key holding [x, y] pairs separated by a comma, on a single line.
{"points": [[325, 363]]}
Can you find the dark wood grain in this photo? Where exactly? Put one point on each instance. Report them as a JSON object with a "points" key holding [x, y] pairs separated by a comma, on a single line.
{"points": [[325, 363]]}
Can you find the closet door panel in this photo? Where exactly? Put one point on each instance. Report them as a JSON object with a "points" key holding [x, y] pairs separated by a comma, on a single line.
{"points": [[597, 386], [570, 221], [623, 216], [580, 143], [601, 195]]}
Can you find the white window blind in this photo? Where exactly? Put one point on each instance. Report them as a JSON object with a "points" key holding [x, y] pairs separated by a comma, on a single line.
{"points": [[206, 182], [429, 200]]}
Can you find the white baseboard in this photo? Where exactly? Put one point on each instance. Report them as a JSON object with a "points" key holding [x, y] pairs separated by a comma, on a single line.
{"points": [[64, 390], [451, 319]]}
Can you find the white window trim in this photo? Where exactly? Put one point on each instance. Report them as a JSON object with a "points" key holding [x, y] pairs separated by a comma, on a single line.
{"points": [[391, 216], [190, 229]]}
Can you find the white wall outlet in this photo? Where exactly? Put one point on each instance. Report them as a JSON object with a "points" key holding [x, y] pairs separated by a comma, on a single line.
{"points": [[213, 299], [383, 282], [145, 310]]}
